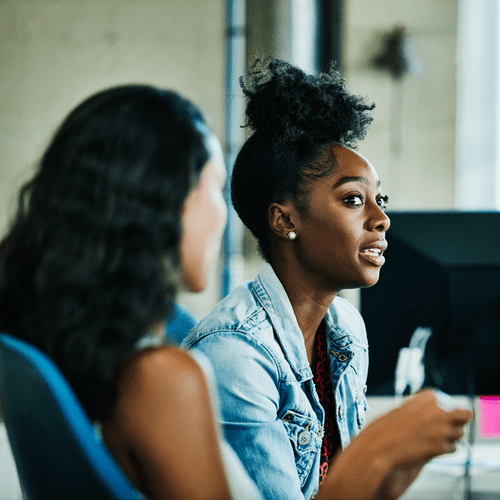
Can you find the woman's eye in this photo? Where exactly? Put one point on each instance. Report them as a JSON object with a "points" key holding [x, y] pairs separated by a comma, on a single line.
{"points": [[354, 200], [382, 202]]}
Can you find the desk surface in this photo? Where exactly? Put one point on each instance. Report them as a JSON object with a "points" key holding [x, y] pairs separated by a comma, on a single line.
{"points": [[443, 477]]}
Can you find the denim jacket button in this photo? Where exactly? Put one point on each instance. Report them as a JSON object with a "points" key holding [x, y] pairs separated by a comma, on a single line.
{"points": [[304, 437], [341, 412], [341, 356]]}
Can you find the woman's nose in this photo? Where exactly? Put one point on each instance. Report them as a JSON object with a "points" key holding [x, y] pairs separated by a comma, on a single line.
{"points": [[379, 220]]}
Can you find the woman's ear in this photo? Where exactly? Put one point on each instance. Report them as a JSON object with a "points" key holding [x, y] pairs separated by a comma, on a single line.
{"points": [[282, 218]]}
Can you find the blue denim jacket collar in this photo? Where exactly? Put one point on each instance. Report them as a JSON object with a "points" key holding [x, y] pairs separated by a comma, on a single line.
{"points": [[274, 299]]}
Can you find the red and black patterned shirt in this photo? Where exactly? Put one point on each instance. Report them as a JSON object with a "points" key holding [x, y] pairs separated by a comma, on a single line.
{"points": [[323, 383]]}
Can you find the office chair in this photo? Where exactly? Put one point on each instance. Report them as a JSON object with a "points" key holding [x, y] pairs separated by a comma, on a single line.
{"points": [[56, 451], [180, 323]]}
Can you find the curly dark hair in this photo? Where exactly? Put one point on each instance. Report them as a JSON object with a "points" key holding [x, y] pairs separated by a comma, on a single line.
{"points": [[91, 260], [294, 117]]}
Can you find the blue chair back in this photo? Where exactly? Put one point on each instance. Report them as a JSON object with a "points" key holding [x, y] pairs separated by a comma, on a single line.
{"points": [[180, 323], [56, 450]]}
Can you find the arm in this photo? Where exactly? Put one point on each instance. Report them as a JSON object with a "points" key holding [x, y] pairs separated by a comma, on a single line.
{"points": [[385, 458], [163, 432]]}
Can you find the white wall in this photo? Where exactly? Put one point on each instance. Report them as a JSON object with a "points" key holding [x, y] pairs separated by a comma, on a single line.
{"points": [[422, 176], [55, 53]]}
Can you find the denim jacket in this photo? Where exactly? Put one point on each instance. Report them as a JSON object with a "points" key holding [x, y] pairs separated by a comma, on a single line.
{"points": [[270, 410]]}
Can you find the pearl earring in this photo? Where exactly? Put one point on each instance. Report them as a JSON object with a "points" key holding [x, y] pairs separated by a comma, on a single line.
{"points": [[292, 235]]}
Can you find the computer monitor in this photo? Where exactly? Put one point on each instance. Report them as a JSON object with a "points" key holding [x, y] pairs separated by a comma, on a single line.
{"points": [[442, 271]]}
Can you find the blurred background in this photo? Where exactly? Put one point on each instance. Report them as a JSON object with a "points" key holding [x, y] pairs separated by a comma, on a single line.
{"points": [[431, 67]]}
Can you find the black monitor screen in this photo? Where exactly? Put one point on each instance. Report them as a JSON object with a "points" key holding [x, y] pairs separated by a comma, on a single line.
{"points": [[442, 272]]}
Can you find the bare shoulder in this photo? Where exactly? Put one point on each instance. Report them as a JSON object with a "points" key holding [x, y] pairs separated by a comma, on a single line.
{"points": [[164, 369], [163, 427], [159, 385]]}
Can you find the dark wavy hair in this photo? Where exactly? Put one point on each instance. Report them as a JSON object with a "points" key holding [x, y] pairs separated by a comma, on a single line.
{"points": [[91, 260], [294, 117]]}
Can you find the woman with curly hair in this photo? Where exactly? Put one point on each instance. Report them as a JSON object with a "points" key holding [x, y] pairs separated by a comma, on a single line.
{"points": [[125, 206], [290, 355]]}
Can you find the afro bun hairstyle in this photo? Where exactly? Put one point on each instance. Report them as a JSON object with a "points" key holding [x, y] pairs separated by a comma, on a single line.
{"points": [[290, 106], [294, 117]]}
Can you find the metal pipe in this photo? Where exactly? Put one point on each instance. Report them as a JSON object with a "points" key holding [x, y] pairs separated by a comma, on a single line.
{"points": [[234, 135]]}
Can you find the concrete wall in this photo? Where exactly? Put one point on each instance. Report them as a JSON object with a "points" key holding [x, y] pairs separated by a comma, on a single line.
{"points": [[422, 174], [55, 53]]}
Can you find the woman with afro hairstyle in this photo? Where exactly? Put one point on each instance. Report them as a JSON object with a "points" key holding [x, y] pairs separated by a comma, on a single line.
{"points": [[290, 355], [126, 204]]}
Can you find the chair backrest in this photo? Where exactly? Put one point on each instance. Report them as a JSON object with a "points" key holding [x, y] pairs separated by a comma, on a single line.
{"points": [[57, 452], [179, 324]]}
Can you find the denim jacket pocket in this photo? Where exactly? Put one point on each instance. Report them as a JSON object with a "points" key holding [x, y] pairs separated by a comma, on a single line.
{"points": [[361, 407], [305, 435]]}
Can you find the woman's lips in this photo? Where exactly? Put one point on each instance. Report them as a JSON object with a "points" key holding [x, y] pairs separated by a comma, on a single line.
{"points": [[373, 255]]}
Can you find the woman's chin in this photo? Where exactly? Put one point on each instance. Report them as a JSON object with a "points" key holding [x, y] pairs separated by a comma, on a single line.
{"points": [[195, 283], [370, 280]]}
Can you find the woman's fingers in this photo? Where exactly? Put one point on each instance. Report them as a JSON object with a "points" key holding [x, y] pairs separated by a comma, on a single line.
{"points": [[456, 434], [450, 421], [428, 429], [461, 416]]}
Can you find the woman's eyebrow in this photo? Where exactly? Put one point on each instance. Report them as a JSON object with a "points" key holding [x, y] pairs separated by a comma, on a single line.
{"points": [[345, 180]]}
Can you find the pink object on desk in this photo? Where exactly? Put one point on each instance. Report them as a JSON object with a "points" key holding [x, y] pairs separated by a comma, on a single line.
{"points": [[489, 416]]}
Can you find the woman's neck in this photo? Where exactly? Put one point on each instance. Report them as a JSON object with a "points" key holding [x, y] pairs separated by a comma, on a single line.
{"points": [[309, 303]]}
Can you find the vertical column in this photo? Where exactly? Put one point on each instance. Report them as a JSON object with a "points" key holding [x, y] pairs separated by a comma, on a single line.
{"points": [[478, 106], [234, 136], [296, 32]]}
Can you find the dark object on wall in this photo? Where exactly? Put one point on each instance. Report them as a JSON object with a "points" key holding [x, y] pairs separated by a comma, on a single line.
{"points": [[442, 271], [398, 55]]}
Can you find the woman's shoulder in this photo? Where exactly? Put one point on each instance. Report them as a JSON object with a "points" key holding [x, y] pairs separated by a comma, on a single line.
{"points": [[161, 368], [158, 383], [162, 380], [239, 314]]}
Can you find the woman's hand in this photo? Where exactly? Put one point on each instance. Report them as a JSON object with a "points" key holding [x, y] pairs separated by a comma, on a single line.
{"points": [[386, 457], [427, 430], [419, 429]]}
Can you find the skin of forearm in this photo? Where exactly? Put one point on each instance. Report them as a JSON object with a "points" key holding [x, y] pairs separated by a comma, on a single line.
{"points": [[354, 474]]}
